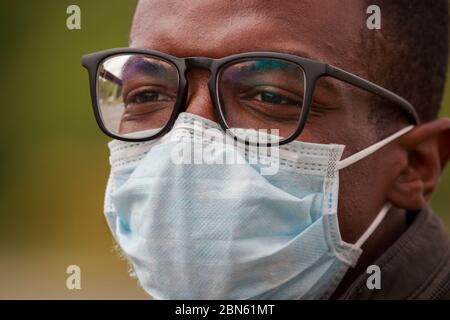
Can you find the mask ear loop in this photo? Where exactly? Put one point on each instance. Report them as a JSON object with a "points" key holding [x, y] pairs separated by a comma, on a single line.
{"points": [[360, 155], [369, 150], [375, 223]]}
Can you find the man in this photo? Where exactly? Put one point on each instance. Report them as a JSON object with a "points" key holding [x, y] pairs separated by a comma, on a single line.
{"points": [[166, 238]]}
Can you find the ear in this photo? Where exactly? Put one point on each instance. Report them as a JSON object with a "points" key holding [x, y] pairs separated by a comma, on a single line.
{"points": [[427, 149]]}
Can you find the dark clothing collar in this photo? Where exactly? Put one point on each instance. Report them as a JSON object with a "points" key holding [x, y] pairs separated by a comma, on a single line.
{"points": [[416, 266]]}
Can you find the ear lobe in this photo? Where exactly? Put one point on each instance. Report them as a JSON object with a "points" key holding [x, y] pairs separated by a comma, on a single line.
{"points": [[427, 149], [407, 191], [444, 147]]}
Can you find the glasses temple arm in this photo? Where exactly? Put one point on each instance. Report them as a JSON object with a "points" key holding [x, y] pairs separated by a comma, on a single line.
{"points": [[374, 88]]}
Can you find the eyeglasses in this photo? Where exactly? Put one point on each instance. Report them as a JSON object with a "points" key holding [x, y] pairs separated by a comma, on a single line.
{"points": [[137, 94]]}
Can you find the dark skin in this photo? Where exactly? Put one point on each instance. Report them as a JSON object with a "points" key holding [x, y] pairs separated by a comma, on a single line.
{"points": [[404, 173]]}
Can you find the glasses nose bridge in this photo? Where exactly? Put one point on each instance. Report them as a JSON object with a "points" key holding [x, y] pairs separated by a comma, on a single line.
{"points": [[193, 63], [207, 111], [198, 63]]}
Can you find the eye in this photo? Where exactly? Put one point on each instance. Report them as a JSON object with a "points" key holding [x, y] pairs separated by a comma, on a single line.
{"points": [[270, 97], [146, 97]]}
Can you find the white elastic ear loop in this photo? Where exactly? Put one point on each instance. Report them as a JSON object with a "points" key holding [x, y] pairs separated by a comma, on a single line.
{"points": [[375, 223], [369, 150]]}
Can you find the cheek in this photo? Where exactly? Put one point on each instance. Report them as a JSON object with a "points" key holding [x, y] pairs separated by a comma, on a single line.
{"points": [[361, 195]]}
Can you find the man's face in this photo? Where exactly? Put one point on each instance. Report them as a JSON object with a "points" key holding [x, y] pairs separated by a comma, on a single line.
{"points": [[327, 31]]}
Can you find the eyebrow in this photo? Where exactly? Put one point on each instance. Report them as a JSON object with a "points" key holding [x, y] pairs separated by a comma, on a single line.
{"points": [[267, 65], [142, 65], [257, 68]]}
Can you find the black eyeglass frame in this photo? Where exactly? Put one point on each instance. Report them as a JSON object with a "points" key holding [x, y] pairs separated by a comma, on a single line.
{"points": [[313, 70]]}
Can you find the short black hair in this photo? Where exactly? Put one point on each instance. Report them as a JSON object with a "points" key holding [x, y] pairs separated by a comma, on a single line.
{"points": [[409, 54]]}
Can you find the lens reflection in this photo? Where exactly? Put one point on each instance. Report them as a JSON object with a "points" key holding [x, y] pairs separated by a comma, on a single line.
{"points": [[136, 94]]}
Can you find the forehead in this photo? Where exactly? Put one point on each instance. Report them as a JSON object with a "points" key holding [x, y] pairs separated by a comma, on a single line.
{"points": [[330, 31]]}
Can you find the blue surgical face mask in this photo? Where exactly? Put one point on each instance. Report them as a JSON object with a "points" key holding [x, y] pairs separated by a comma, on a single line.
{"points": [[225, 231]]}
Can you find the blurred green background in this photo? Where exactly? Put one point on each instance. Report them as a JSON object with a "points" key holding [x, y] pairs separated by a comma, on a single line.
{"points": [[54, 160]]}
